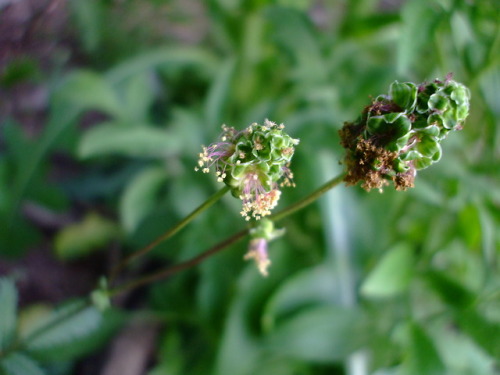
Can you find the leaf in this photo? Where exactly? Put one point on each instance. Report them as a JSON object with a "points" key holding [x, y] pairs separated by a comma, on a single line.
{"points": [[292, 31], [219, 93], [316, 285], [200, 59], [320, 334], [451, 292], [484, 332], [139, 197], [80, 91], [88, 17], [8, 308], [68, 323], [142, 141], [419, 21], [423, 357], [79, 239], [392, 274], [138, 94], [20, 364]]}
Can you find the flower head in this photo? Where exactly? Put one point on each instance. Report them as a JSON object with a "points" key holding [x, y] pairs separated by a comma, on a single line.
{"points": [[401, 133], [254, 163]]}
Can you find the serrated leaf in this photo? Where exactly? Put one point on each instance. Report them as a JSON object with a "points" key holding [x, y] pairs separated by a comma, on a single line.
{"points": [[136, 141], [70, 322], [392, 274], [8, 308], [79, 239], [20, 364], [323, 334], [140, 196]]}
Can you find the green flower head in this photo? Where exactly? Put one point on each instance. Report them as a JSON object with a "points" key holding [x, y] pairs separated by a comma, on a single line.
{"points": [[401, 132], [254, 163]]}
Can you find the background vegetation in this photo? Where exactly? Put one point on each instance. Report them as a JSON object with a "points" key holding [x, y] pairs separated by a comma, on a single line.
{"points": [[362, 283]]}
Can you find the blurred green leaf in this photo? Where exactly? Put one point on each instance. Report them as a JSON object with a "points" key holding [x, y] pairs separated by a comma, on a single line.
{"points": [[139, 197], [219, 94], [8, 309], [316, 285], [170, 57], [88, 16], [79, 239], [392, 274], [423, 357], [20, 364], [70, 322], [324, 334], [138, 141], [483, 331], [451, 292], [419, 21], [139, 93], [293, 32]]}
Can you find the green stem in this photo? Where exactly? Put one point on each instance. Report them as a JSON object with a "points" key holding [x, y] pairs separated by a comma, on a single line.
{"points": [[179, 267], [309, 199], [229, 241], [169, 233]]}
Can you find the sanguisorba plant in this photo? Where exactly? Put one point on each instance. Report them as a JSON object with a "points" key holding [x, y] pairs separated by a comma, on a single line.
{"points": [[394, 137]]}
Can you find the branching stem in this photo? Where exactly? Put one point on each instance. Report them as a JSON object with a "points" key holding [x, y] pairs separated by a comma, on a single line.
{"points": [[159, 275], [169, 233]]}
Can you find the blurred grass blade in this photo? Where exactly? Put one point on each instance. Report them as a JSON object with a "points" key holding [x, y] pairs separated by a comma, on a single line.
{"points": [[8, 309]]}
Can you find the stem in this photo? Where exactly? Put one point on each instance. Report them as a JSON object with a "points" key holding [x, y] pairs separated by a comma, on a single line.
{"points": [[309, 199], [169, 233], [229, 241], [181, 266]]}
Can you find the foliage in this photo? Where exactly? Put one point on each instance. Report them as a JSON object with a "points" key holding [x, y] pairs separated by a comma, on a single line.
{"points": [[394, 283]]}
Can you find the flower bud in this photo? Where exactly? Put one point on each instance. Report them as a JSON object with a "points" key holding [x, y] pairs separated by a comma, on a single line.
{"points": [[261, 235]]}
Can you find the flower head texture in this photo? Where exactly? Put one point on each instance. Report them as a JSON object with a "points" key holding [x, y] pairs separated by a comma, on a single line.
{"points": [[254, 163], [401, 132]]}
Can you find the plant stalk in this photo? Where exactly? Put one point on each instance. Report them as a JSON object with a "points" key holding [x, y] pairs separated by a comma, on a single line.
{"points": [[169, 233], [224, 244]]}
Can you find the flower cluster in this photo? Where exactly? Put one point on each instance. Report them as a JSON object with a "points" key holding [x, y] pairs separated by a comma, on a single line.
{"points": [[400, 133], [261, 235], [254, 163]]}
